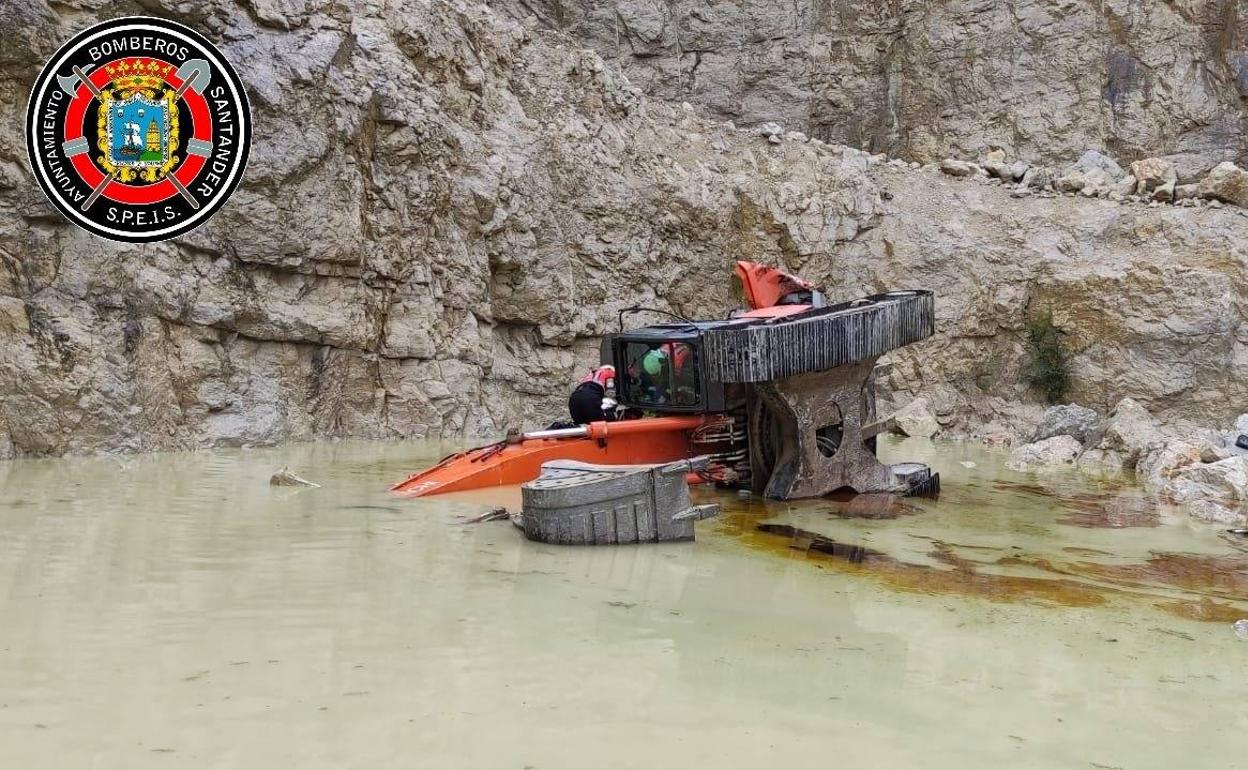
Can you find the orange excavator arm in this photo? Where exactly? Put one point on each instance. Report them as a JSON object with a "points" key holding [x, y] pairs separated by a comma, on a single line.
{"points": [[764, 286]]}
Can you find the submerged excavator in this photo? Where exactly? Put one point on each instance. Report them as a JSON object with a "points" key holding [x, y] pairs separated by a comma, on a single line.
{"points": [[780, 397]]}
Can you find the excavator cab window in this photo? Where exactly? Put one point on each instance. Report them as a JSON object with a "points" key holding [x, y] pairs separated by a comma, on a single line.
{"points": [[661, 374]]}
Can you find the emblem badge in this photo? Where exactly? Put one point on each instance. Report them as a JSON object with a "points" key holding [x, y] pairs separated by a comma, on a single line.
{"points": [[138, 129]]}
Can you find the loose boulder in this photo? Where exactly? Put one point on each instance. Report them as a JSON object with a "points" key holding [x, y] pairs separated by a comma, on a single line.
{"points": [[1098, 183], [1160, 466], [1153, 174], [1184, 192], [1037, 178], [1051, 452], [1226, 182], [1095, 161], [960, 168], [917, 419], [995, 164], [1067, 420], [1128, 435]]}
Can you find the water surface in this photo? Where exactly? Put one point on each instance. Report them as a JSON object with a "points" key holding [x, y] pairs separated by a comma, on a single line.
{"points": [[177, 611]]}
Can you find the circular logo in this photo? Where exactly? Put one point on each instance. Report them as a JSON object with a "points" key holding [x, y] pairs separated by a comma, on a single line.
{"points": [[138, 129]]}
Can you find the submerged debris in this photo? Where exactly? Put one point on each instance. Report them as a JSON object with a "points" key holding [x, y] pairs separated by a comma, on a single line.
{"points": [[811, 541], [284, 478], [871, 505], [495, 514]]}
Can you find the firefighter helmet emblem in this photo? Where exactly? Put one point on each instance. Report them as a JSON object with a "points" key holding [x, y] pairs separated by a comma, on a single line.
{"points": [[138, 129]]}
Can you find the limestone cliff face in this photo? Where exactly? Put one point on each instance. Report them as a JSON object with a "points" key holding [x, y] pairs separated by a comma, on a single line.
{"points": [[444, 210], [927, 79]]}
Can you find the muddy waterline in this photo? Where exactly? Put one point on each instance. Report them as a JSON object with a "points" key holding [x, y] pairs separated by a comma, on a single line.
{"points": [[177, 611]]}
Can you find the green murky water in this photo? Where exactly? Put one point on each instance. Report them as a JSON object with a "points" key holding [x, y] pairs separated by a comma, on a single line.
{"points": [[176, 611]]}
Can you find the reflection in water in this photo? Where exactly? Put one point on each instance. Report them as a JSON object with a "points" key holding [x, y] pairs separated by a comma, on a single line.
{"points": [[1111, 507], [177, 611]]}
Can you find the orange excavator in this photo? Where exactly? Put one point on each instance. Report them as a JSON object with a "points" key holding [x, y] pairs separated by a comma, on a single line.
{"points": [[721, 389]]}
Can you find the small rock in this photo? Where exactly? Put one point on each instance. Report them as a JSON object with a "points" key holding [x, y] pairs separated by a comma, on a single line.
{"points": [[1184, 192], [770, 129], [959, 168], [1227, 183], [284, 478], [1126, 187], [1165, 192], [774, 139], [1020, 192], [1241, 629], [1066, 420], [1018, 170], [1241, 423], [917, 419], [1055, 451], [1071, 182], [1211, 453]]}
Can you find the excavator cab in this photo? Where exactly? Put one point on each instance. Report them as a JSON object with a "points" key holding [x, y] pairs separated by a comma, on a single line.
{"points": [[662, 369]]}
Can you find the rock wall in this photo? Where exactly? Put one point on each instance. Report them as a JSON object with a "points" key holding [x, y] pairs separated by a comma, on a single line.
{"points": [[444, 210], [927, 79]]}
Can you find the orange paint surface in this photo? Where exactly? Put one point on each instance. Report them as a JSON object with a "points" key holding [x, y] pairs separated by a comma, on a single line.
{"points": [[650, 440]]}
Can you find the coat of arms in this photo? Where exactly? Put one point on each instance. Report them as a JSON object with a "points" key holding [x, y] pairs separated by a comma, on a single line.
{"points": [[138, 123]]}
